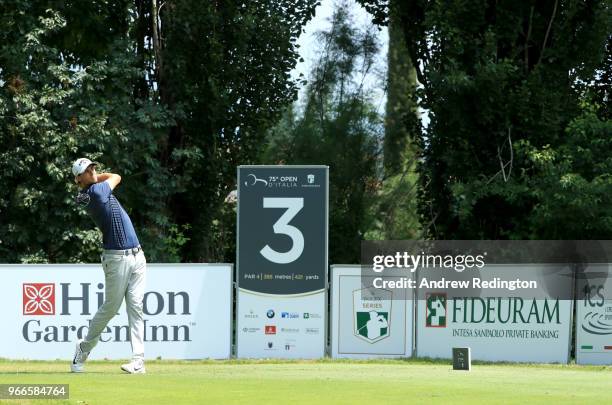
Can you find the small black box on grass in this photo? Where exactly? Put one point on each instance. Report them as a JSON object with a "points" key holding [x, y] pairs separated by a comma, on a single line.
{"points": [[462, 359]]}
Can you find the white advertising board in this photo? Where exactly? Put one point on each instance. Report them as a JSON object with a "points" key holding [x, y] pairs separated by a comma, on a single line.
{"points": [[496, 328], [594, 315], [369, 322], [281, 327], [47, 308]]}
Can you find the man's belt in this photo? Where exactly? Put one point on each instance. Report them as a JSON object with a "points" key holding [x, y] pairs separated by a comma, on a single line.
{"points": [[125, 252]]}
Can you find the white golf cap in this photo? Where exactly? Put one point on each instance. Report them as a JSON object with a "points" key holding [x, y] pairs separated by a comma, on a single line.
{"points": [[80, 165]]}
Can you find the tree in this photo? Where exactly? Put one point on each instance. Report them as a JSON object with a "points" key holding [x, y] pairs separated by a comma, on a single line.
{"points": [[52, 110], [172, 95], [338, 126], [223, 70], [396, 205], [503, 83]]}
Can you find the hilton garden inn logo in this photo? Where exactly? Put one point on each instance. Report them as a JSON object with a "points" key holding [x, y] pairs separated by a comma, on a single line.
{"points": [[372, 314], [435, 316], [38, 299]]}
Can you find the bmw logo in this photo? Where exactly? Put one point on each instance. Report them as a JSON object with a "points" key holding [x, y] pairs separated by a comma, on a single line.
{"points": [[270, 313]]}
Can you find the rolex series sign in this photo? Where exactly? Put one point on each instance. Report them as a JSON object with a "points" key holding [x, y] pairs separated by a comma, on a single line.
{"points": [[282, 261], [369, 322]]}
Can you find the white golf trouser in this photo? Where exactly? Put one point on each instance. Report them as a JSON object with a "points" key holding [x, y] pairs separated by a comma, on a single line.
{"points": [[124, 277]]}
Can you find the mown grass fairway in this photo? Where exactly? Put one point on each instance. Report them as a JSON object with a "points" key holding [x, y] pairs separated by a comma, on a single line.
{"points": [[316, 382]]}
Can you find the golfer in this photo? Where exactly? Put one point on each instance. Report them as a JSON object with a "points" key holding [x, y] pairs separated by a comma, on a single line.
{"points": [[123, 262]]}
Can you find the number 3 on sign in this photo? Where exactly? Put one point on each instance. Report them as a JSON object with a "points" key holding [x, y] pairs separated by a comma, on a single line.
{"points": [[293, 205]]}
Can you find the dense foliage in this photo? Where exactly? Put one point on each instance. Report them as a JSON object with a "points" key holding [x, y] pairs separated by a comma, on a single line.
{"points": [[174, 95], [170, 95], [518, 140], [338, 126]]}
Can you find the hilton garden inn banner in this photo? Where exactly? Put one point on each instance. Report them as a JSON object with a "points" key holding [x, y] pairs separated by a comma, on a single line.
{"points": [[369, 322], [495, 327], [47, 308]]}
